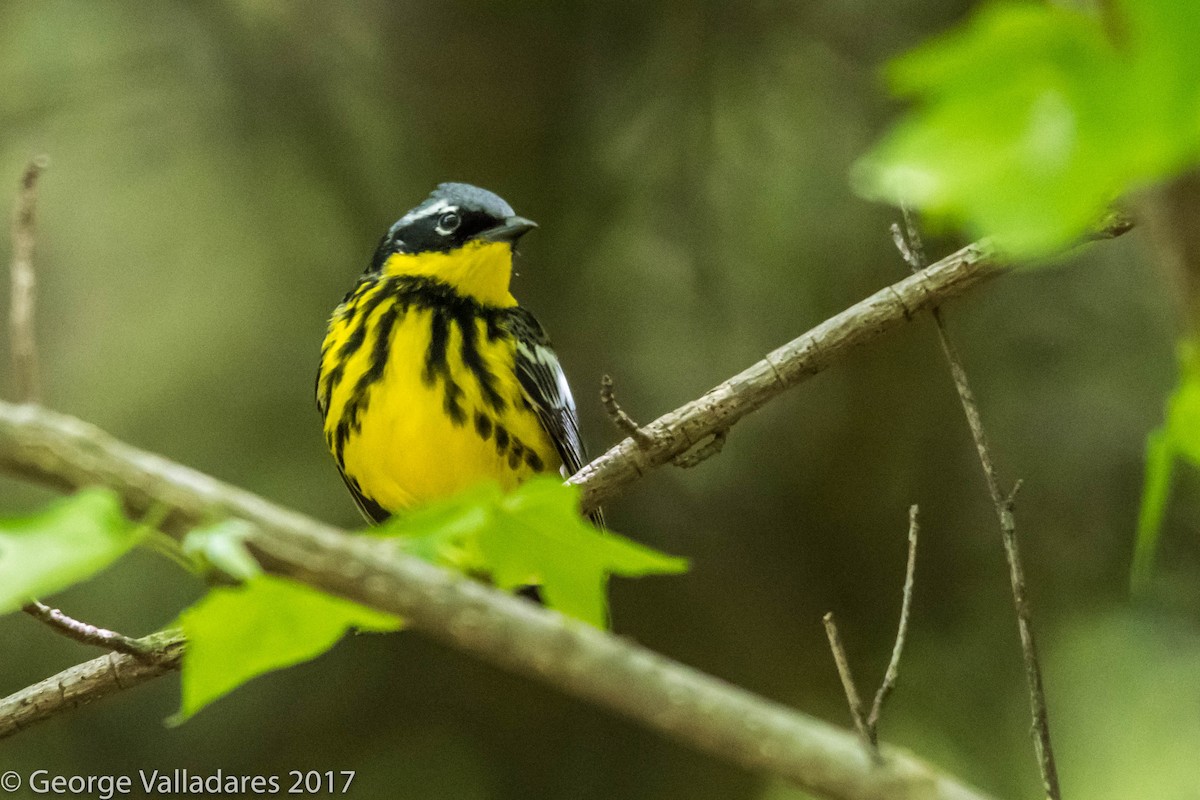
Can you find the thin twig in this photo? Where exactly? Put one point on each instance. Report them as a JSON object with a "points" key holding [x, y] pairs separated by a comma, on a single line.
{"points": [[1016, 572], [24, 284], [848, 685], [623, 421], [84, 632], [1008, 532], [901, 243], [28, 389], [893, 669], [90, 681]]}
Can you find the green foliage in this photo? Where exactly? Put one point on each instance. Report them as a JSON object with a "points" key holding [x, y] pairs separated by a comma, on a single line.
{"points": [[67, 542], [1178, 438], [539, 537], [221, 548], [1029, 121], [534, 535], [267, 623], [1032, 118]]}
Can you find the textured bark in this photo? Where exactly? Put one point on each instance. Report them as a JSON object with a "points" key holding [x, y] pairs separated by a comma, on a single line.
{"points": [[90, 681], [673, 434], [681, 702]]}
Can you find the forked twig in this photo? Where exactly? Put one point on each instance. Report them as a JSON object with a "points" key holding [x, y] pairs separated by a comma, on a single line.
{"points": [[730, 401], [868, 725]]}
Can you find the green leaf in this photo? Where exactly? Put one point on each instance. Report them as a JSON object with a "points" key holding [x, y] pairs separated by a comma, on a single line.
{"points": [[1179, 437], [446, 532], [69, 541], [223, 547], [532, 536], [1183, 407], [539, 537], [1160, 462], [1029, 121], [267, 623]]}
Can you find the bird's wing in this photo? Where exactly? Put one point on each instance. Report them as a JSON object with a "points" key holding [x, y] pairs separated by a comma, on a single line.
{"points": [[545, 387], [372, 511]]}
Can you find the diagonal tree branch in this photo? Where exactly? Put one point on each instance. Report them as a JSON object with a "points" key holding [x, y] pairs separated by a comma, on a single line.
{"points": [[711, 415], [676, 700], [675, 433], [90, 681]]}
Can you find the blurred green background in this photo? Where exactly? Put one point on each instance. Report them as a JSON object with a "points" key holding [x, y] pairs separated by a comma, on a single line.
{"points": [[221, 172]]}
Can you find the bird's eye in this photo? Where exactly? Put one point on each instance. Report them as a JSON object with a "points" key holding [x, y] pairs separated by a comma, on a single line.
{"points": [[448, 223]]}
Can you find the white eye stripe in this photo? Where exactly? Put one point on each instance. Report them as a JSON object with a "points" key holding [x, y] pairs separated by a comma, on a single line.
{"points": [[428, 211]]}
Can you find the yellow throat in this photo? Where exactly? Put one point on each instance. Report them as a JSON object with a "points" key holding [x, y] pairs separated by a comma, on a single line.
{"points": [[479, 270]]}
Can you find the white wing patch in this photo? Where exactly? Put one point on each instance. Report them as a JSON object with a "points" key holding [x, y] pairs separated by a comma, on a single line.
{"points": [[545, 387], [564, 388]]}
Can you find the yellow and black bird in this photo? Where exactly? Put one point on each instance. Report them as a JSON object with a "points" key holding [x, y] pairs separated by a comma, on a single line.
{"points": [[432, 378]]}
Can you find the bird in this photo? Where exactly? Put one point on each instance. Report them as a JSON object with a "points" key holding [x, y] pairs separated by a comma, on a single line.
{"points": [[432, 377]]}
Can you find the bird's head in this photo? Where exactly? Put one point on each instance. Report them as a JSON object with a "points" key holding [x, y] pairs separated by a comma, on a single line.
{"points": [[462, 235]]}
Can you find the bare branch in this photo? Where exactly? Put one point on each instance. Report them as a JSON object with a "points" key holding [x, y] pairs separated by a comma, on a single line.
{"points": [[704, 452], [848, 686], [90, 681], [623, 421], [1008, 533], [725, 404], [1016, 571], [893, 669], [84, 632], [24, 283], [663, 695]]}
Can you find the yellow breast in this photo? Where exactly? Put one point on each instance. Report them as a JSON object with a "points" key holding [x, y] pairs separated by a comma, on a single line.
{"points": [[421, 398]]}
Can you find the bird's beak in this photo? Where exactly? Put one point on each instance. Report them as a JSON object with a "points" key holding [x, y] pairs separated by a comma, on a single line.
{"points": [[509, 231]]}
